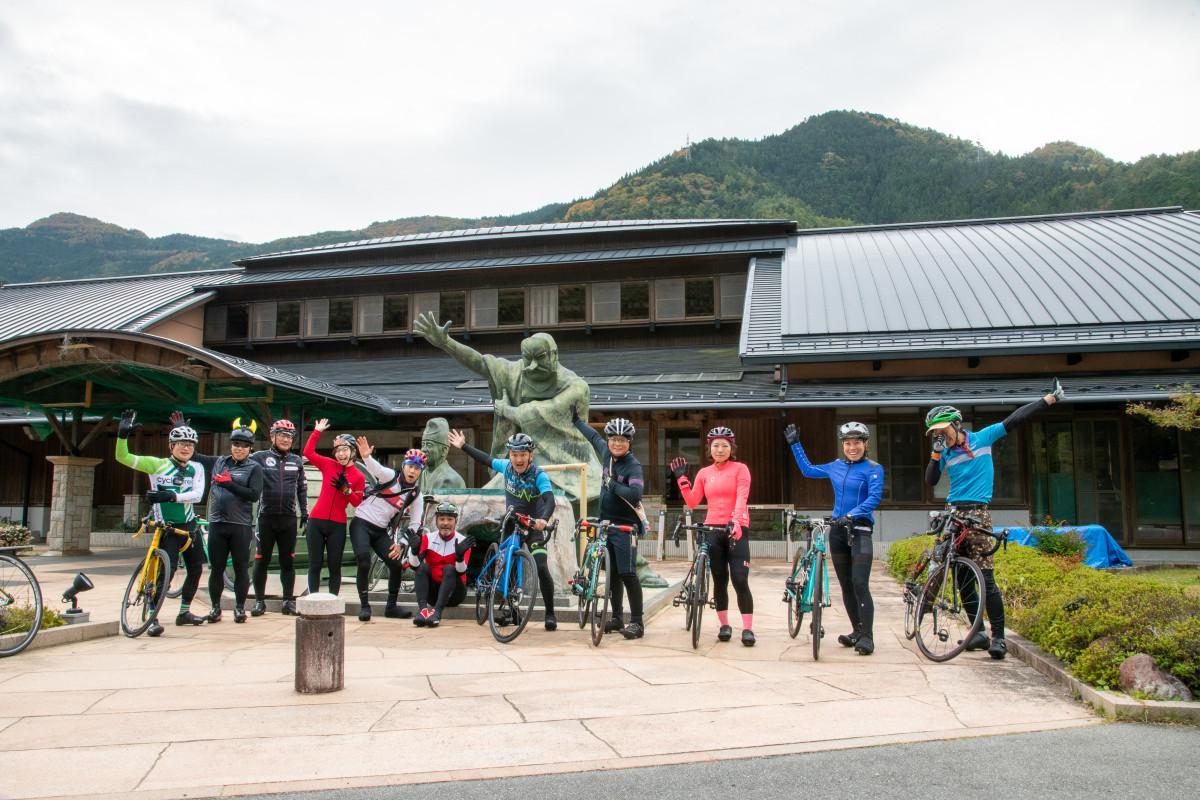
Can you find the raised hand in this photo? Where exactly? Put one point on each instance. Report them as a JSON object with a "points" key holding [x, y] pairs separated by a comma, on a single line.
{"points": [[457, 439], [364, 447], [679, 467], [127, 424], [321, 425], [414, 539], [791, 435], [463, 546], [427, 326], [1056, 393]]}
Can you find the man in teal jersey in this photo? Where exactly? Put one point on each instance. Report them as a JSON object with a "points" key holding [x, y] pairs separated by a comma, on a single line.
{"points": [[175, 483]]}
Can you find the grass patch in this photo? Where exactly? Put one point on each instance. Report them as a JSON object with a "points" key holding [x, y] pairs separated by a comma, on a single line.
{"points": [[1186, 579]]}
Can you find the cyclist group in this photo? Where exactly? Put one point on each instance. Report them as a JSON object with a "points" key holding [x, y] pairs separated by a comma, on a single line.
{"points": [[276, 478]]}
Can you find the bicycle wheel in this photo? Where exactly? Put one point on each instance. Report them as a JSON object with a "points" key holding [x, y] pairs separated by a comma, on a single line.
{"points": [[589, 581], [515, 598], [175, 589], [689, 590], [145, 594], [20, 606], [699, 597], [944, 622], [818, 598], [379, 572], [483, 584], [795, 609], [600, 597]]}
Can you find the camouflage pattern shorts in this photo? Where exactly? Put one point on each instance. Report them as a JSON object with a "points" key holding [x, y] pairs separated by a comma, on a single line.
{"points": [[976, 544]]}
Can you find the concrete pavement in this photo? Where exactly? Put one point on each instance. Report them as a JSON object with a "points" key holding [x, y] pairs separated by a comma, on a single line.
{"points": [[211, 711]]}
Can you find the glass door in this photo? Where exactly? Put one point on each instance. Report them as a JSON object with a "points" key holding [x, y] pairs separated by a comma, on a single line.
{"points": [[1157, 485], [1099, 495]]}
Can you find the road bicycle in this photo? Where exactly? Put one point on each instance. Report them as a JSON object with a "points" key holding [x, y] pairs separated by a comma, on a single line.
{"points": [[506, 588], [379, 568], [693, 594], [147, 589], [176, 589], [949, 608], [592, 584], [807, 588], [20, 602]]}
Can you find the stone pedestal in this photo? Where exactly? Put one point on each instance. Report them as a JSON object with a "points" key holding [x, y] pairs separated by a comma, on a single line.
{"points": [[70, 530], [320, 644], [133, 509]]}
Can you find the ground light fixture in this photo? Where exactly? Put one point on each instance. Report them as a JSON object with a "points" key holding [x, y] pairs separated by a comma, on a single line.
{"points": [[74, 614]]}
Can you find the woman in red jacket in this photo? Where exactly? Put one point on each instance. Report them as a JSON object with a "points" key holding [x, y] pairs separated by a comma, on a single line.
{"points": [[341, 483], [726, 484]]}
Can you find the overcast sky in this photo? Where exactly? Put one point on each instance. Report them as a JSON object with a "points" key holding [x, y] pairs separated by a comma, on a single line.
{"points": [[253, 120]]}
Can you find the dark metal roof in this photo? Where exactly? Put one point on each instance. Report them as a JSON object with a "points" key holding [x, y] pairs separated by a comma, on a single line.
{"points": [[1095, 281], [533, 260], [524, 231], [110, 304]]}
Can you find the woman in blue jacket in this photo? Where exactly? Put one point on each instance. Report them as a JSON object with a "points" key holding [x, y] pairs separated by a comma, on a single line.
{"points": [[857, 486]]}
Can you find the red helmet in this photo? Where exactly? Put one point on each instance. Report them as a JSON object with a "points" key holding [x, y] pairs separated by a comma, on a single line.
{"points": [[416, 457], [283, 426]]}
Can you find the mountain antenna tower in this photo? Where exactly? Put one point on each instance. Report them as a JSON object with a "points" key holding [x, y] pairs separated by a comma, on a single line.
{"points": [[687, 148]]}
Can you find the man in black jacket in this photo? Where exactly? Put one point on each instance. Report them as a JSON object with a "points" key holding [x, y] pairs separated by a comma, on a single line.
{"points": [[285, 490]]}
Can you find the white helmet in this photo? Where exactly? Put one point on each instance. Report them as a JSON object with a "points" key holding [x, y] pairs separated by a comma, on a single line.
{"points": [[182, 434], [854, 430], [619, 427]]}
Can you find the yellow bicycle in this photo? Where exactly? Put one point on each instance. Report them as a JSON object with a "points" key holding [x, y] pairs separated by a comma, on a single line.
{"points": [[147, 589]]}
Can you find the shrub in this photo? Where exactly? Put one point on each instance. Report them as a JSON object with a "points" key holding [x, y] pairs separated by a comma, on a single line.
{"points": [[1092, 620], [12, 535], [1055, 538], [18, 619]]}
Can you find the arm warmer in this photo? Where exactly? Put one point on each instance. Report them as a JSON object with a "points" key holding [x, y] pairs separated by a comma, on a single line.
{"points": [[478, 455], [1024, 413]]}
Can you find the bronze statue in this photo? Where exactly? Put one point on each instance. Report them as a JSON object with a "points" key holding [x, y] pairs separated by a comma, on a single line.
{"points": [[438, 476]]}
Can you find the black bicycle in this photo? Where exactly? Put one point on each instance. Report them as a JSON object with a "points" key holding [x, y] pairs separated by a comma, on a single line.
{"points": [[949, 609], [693, 594]]}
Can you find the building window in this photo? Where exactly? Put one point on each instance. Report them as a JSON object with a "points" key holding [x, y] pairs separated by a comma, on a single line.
{"points": [[452, 308], [426, 303], [237, 322], [264, 320], [287, 318], [606, 302], [635, 301], [341, 316], [900, 447], [316, 318], [572, 304], [510, 306], [483, 308], [370, 315], [668, 299], [733, 295], [214, 323], [699, 297], [395, 312], [543, 305]]}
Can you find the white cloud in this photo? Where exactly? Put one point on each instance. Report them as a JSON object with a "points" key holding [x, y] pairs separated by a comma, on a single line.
{"points": [[260, 120]]}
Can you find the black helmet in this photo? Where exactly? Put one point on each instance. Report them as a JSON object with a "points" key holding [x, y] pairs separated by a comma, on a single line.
{"points": [[619, 427], [243, 434], [519, 441], [346, 439], [446, 507], [854, 430]]}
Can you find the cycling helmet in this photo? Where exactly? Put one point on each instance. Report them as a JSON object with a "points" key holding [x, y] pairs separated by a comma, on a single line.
{"points": [[283, 426], [519, 441], [345, 439], [619, 427], [854, 430], [720, 432], [446, 507], [942, 417], [415, 456], [182, 434], [243, 434]]}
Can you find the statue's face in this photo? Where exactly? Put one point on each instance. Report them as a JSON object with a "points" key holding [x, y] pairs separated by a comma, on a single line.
{"points": [[539, 360], [435, 450]]}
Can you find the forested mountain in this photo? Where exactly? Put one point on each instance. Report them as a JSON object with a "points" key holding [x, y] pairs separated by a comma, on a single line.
{"points": [[838, 168]]}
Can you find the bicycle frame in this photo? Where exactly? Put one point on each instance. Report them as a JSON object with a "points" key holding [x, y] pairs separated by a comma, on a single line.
{"points": [[597, 536], [816, 537]]}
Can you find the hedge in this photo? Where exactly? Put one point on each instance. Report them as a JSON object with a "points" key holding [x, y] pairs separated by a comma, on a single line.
{"points": [[1091, 620]]}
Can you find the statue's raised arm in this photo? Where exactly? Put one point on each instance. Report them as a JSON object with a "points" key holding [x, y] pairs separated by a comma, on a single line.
{"points": [[437, 335]]}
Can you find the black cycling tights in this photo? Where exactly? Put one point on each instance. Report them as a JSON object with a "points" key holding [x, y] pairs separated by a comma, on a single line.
{"points": [[193, 559], [447, 593], [325, 536], [366, 538], [627, 583], [851, 554], [275, 530], [224, 540], [545, 580], [730, 566], [993, 601]]}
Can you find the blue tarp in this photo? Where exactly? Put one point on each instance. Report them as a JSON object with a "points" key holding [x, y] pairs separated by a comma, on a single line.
{"points": [[1103, 550]]}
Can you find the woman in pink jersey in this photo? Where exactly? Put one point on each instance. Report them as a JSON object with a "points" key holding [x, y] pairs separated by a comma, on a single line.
{"points": [[726, 485], [341, 483]]}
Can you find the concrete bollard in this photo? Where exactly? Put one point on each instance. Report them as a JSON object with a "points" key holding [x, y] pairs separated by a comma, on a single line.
{"points": [[320, 644]]}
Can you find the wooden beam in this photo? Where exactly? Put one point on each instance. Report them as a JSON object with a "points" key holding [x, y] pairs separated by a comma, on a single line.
{"points": [[96, 430], [57, 427]]}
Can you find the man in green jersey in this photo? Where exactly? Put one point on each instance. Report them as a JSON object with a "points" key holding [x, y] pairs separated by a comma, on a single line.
{"points": [[175, 483]]}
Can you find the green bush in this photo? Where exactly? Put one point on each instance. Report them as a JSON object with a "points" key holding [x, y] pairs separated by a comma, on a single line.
{"points": [[1056, 539], [18, 620], [12, 535], [1092, 620]]}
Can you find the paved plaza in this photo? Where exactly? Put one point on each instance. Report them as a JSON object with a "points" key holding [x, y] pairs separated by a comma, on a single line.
{"points": [[211, 710]]}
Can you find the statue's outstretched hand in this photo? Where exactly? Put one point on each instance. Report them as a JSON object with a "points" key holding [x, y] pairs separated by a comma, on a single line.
{"points": [[427, 326]]}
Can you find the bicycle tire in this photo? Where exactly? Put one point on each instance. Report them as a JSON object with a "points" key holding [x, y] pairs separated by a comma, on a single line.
{"points": [[483, 584], [19, 590], [689, 590], [795, 609], [516, 597], [944, 624], [173, 592], [379, 571], [818, 598], [145, 594], [600, 599], [699, 597], [584, 599], [910, 614]]}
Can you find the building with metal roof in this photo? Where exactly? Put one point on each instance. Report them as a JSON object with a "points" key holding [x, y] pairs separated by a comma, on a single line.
{"points": [[684, 324]]}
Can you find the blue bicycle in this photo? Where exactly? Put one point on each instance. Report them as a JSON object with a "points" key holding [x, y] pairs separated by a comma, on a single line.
{"points": [[506, 588], [807, 589]]}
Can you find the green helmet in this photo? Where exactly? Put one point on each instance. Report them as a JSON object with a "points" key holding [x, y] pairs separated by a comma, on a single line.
{"points": [[942, 414]]}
